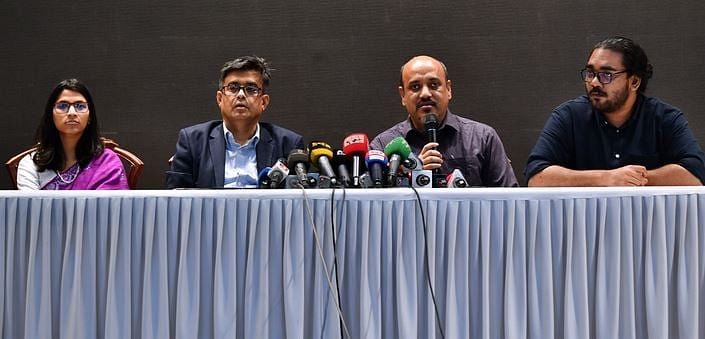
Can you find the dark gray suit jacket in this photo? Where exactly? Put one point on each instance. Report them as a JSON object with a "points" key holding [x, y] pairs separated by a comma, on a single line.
{"points": [[199, 161]]}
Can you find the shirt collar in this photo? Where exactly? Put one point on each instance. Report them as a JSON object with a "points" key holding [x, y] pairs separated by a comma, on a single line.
{"points": [[451, 122], [230, 142]]}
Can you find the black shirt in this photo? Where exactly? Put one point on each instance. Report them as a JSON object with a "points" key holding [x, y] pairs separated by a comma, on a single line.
{"points": [[580, 138]]}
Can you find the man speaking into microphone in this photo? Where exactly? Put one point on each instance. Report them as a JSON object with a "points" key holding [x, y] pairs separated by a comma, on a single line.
{"points": [[470, 146]]}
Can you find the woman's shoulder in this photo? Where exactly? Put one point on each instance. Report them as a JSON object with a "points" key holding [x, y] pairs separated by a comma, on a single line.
{"points": [[107, 156]]}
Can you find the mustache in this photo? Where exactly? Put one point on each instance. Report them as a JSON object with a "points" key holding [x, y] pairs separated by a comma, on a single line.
{"points": [[426, 103], [598, 92]]}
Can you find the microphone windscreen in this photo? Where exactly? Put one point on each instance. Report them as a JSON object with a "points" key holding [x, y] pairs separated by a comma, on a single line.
{"points": [[318, 149], [375, 157], [297, 156], [356, 144], [398, 146]]}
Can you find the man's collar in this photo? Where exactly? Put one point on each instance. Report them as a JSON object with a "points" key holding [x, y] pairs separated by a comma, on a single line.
{"points": [[230, 138], [451, 120]]}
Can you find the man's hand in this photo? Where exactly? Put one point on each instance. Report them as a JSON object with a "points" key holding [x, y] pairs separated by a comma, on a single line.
{"points": [[630, 175], [430, 157]]}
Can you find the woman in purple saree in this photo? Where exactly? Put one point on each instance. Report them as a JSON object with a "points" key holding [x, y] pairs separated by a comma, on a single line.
{"points": [[70, 155]]}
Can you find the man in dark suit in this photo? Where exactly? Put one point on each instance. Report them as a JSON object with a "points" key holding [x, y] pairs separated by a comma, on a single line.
{"points": [[231, 152]]}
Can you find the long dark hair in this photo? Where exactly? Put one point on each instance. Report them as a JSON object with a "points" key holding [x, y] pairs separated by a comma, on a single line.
{"points": [[50, 152]]}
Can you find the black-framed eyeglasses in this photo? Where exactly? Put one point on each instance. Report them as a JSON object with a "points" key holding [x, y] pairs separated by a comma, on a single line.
{"points": [[234, 88], [603, 77], [63, 107]]}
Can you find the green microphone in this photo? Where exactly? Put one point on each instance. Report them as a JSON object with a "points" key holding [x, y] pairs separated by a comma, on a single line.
{"points": [[397, 151]]}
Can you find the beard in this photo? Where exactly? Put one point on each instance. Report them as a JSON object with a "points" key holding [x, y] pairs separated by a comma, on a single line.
{"points": [[608, 104]]}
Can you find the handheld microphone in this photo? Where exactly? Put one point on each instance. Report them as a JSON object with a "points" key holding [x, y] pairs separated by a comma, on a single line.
{"points": [[376, 161], [340, 161], [356, 145], [397, 150], [431, 125], [263, 180], [321, 153], [299, 159], [456, 179], [278, 173]]}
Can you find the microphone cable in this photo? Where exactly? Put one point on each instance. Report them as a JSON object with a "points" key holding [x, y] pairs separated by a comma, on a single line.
{"points": [[335, 249], [323, 259], [426, 265]]}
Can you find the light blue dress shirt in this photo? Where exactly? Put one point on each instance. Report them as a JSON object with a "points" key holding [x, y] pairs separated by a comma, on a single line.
{"points": [[240, 161]]}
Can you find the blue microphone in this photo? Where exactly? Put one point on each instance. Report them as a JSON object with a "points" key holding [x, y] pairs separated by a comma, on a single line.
{"points": [[263, 180]]}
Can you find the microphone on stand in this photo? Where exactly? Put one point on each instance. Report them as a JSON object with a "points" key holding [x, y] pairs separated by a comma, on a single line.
{"points": [[341, 162], [278, 173], [456, 179], [356, 146], [376, 162], [299, 159], [263, 180], [321, 153], [398, 151]]}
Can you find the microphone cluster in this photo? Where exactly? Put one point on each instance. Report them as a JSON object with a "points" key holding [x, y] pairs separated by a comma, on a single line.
{"points": [[321, 166]]}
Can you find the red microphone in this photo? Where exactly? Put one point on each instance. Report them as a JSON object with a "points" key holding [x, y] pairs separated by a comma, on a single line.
{"points": [[356, 145]]}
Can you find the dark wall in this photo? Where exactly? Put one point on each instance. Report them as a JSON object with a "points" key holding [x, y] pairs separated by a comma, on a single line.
{"points": [[153, 66]]}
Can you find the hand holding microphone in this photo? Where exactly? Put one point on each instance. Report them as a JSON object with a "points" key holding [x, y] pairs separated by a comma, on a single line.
{"points": [[431, 158], [429, 155]]}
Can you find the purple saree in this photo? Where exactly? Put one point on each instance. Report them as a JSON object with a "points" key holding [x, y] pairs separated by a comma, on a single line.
{"points": [[104, 172]]}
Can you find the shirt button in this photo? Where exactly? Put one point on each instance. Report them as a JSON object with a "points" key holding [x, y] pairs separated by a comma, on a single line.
{"points": [[616, 155], [617, 131]]}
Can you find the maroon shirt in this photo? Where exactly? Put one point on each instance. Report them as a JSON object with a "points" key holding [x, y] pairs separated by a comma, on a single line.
{"points": [[470, 146]]}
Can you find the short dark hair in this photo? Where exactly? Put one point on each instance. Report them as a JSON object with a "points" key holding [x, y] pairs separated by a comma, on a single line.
{"points": [[401, 70], [50, 152], [633, 57], [247, 63]]}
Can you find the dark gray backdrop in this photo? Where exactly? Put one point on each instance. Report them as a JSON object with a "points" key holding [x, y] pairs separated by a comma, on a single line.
{"points": [[152, 66]]}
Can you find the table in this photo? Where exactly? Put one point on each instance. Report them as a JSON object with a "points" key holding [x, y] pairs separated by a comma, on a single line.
{"points": [[504, 263]]}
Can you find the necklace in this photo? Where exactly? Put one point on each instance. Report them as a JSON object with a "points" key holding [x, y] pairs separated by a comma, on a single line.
{"points": [[71, 177]]}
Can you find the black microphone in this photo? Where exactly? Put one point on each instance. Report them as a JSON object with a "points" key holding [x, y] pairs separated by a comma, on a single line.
{"points": [[263, 180], [340, 161], [299, 159], [431, 125], [278, 173]]}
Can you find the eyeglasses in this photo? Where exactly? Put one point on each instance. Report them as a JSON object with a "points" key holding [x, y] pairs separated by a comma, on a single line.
{"points": [[234, 89], [63, 107], [603, 77]]}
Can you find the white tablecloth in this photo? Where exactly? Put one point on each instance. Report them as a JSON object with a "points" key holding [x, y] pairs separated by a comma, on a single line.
{"points": [[504, 263]]}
